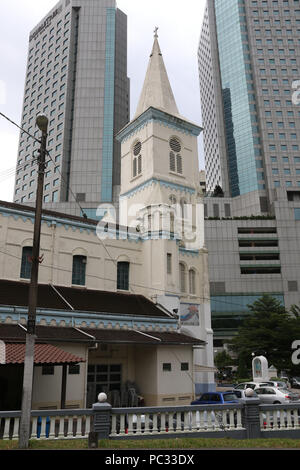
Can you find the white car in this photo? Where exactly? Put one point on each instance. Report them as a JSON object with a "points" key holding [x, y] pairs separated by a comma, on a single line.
{"points": [[253, 385], [245, 394], [274, 395], [277, 384]]}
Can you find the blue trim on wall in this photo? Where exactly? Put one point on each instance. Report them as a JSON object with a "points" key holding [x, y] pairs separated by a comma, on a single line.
{"points": [[76, 318], [109, 96]]}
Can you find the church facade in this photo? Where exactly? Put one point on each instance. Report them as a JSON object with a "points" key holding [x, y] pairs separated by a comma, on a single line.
{"points": [[152, 247]]}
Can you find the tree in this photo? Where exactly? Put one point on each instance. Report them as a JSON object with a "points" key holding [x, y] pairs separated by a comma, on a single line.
{"points": [[269, 330], [218, 191], [223, 361]]}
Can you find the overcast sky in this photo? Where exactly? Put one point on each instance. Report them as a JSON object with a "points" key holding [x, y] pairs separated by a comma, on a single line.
{"points": [[179, 29]]}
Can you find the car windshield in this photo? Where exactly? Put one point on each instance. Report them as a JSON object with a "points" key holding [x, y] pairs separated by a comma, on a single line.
{"points": [[240, 386], [230, 397]]}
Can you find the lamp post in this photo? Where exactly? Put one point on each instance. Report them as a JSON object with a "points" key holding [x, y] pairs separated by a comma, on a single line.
{"points": [[24, 433]]}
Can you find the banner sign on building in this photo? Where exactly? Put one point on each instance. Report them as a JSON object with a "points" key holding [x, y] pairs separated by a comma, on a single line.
{"points": [[189, 314]]}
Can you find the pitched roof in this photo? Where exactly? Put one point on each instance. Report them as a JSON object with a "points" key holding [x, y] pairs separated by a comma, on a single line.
{"points": [[157, 91], [48, 334], [43, 354], [85, 300], [46, 212]]}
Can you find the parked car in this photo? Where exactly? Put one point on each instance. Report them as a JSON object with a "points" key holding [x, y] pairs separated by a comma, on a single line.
{"points": [[295, 382], [274, 395], [242, 393], [277, 384], [253, 385], [216, 398]]}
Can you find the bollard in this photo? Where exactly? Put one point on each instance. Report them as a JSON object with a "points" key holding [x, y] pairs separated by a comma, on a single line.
{"points": [[250, 417], [101, 421]]}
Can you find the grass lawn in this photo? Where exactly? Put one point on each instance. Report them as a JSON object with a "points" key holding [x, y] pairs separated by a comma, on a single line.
{"points": [[151, 444]]}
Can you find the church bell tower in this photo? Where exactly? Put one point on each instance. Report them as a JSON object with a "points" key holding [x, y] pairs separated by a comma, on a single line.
{"points": [[161, 201]]}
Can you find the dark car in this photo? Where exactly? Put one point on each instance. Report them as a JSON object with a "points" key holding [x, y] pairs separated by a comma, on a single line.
{"points": [[295, 382], [216, 398]]}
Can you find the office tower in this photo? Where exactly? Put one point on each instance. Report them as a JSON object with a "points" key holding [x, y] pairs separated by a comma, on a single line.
{"points": [[248, 62], [77, 76]]}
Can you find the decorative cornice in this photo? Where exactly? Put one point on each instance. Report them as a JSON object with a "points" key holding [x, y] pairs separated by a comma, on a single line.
{"points": [[187, 252], [88, 319], [112, 231], [167, 184], [156, 115]]}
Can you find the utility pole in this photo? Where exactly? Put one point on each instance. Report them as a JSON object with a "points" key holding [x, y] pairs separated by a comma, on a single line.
{"points": [[24, 433]]}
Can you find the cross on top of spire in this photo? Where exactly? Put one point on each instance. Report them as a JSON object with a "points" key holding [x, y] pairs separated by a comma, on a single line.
{"points": [[155, 32]]}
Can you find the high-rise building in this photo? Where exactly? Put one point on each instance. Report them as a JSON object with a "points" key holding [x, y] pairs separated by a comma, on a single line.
{"points": [[248, 60], [76, 76], [249, 64]]}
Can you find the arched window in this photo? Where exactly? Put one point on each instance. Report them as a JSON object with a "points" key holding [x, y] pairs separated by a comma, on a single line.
{"points": [[182, 277], [137, 159], [175, 155], [183, 217], [192, 281], [172, 199], [78, 270], [26, 262], [123, 275]]}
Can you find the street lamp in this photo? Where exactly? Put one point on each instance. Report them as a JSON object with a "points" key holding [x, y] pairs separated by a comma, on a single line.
{"points": [[24, 434]]}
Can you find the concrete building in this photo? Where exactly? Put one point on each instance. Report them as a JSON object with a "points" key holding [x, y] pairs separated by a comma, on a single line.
{"points": [[157, 253], [248, 61], [77, 76], [248, 256]]}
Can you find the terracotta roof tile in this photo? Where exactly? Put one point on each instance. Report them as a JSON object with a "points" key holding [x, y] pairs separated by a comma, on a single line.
{"points": [[43, 354]]}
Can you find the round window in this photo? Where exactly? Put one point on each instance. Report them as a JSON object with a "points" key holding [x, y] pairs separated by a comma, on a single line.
{"points": [[175, 145], [137, 148]]}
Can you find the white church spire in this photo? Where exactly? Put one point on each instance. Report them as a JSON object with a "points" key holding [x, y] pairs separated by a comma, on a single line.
{"points": [[157, 91]]}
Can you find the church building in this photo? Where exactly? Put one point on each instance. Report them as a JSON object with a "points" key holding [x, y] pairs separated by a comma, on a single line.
{"points": [[124, 300]]}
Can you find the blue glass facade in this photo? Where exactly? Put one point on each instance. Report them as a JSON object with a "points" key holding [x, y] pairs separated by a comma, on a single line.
{"points": [[243, 145], [229, 311], [108, 124], [237, 303]]}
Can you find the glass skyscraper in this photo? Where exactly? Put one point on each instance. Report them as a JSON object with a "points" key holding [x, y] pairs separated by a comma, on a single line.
{"points": [[77, 76], [248, 60]]}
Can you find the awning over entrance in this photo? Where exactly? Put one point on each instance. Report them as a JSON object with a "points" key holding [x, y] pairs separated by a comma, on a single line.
{"points": [[14, 353]]}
